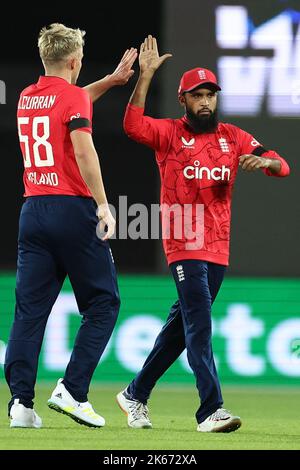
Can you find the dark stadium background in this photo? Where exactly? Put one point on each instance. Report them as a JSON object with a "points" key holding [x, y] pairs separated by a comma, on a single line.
{"points": [[265, 221]]}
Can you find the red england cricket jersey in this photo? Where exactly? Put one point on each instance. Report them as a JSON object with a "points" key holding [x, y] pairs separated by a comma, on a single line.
{"points": [[197, 175], [47, 112]]}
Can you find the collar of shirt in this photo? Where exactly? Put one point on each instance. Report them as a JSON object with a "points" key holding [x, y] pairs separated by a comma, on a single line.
{"points": [[47, 79]]}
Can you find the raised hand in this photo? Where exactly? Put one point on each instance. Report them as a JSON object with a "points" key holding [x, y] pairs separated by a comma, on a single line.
{"points": [[149, 58], [124, 71]]}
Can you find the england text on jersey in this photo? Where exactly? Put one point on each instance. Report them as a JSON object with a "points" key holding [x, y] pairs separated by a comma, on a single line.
{"points": [[50, 179]]}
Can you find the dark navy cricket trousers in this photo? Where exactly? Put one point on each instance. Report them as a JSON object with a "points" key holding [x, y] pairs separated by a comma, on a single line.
{"points": [[188, 326], [57, 237]]}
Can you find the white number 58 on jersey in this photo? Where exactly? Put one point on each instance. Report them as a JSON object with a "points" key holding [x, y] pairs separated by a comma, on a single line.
{"points": [[39, 140]]}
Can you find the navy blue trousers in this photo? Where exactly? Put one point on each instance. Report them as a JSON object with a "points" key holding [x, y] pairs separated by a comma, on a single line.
{"points": [[57, 237], [188, 326]]}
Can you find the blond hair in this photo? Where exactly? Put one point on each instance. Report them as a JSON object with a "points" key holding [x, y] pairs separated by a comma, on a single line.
{"points": [[57, 42]]}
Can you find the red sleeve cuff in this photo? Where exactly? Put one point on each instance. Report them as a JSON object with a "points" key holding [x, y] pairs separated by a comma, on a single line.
{"points": [[135, 108], [133, 120], [284, 170]]}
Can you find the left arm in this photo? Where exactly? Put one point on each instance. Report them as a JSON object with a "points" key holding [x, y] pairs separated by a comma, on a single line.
{"points": [[271, 163], [253, 155], [120, 76]]}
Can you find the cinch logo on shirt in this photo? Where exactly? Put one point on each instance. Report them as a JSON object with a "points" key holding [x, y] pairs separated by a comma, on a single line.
{"points": [[198, 172], [75, 116]]}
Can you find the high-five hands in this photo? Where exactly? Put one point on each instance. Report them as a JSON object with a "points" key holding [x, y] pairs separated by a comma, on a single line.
{"points": [[124, 69], [149, 59]]}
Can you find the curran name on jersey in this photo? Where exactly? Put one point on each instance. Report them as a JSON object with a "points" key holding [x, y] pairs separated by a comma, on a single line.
{"points": [[36, 102]]}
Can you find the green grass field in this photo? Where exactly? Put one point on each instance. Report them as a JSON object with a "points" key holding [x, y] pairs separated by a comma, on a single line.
{"points": [[270, 421]]}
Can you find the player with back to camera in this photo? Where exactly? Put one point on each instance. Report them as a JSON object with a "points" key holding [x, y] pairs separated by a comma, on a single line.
{"points": [[65, 198], [198, 158]]}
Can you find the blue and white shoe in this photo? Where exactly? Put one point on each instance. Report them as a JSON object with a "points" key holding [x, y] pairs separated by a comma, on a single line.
{"points": [[83, 413]]}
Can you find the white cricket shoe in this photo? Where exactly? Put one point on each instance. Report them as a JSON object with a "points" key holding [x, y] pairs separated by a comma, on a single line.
{"points": [[22, 417], [63, 402], [137, 413], [220, 421]]}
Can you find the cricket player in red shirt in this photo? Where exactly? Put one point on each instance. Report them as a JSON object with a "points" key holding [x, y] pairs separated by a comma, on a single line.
{"points": [[198, 159], [65, 199]]}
